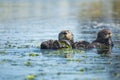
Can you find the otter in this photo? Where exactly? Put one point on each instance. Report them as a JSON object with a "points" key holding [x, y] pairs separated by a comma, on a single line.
{"points": [[103, 42], [65, 40], [66, 35], [81, 45]]}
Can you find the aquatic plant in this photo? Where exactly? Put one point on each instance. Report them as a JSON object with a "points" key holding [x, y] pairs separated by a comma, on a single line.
{"points": [[27, 46], [76, 60], [116, 74], [3, 61], [66, 44], [33, 54], [31, 77], [3, 52], [82, 70], [27, 63], [23, 46]]}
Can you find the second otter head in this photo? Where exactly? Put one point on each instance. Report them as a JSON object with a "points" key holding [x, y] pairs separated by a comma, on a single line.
{"points": [[66, 35], [104, 34]]}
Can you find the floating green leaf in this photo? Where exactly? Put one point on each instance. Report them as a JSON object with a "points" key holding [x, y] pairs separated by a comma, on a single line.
{"points": [[27, 63], [33, 54], [31, 77], [3, 52], [82, 70]]}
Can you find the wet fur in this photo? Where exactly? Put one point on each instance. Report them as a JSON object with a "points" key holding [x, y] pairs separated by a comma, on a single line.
{"points": [[103, 42], [65, 39]]}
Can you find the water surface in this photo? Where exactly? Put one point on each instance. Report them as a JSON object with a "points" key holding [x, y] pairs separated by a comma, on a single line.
{"points": [[21, 36]]}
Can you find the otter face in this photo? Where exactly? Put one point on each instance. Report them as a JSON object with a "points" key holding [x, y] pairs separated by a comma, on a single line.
{"points": [[104, 34], [65, 35]]}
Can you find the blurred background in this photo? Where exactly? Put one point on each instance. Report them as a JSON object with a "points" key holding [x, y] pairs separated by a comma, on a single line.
{"points": [[82, 9]]}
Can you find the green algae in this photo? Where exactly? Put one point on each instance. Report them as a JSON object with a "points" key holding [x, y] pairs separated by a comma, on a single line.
{"points": [[66, 44], [3, 61], [27, 63], [23, 46], [33, 54], [6, 61], [27, 46], [82, 70], [31, 77], [116, 74], [3, 52], [75, 60]]}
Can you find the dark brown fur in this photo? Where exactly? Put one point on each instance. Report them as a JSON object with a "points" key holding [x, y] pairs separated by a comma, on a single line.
{"points": [[103, 42], [104, 37], [66, 35], [81, 45], [65, 40]]}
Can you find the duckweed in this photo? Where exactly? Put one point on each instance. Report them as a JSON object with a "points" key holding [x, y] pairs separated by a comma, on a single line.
{"points": [[3, 52], [23, 46], [116, 74], [76, 60], [27, 46], [78, 51], [82, 51], [33, 54], [9, 45], [19, 47], [27, 63], [82, 70], [3, 61], [31, 77]]}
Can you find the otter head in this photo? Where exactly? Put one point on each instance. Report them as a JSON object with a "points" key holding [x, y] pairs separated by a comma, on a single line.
{"points": [[104, 34], [65, 35]]}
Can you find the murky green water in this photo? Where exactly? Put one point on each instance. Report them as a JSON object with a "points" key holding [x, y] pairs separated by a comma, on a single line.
{"points": [[22, 59]]}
